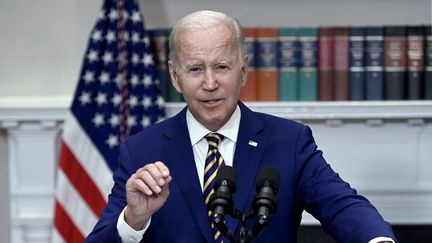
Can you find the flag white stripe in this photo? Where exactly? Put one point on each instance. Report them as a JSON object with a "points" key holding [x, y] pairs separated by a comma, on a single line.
{"points": [[87, 154], [56, 237], [78, 210]]}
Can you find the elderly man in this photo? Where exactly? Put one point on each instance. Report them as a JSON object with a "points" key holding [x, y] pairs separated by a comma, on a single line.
{"points": [[165, 177]]}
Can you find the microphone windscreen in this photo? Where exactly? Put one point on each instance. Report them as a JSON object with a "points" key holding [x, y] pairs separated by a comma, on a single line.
{"points": [[268, 174], [226, 174]]}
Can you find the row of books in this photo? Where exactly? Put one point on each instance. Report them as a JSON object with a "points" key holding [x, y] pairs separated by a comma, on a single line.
{"points": [[327, 63]]}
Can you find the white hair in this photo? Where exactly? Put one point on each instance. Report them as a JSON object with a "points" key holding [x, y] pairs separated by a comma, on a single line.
{"points": [[204, 19]]}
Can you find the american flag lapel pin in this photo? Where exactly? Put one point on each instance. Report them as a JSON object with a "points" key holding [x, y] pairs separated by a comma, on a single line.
{"points": [[253, 143]]}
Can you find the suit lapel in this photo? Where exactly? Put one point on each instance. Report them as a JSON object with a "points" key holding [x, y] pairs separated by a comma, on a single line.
{"points": [[182, 167], [251, 141]]}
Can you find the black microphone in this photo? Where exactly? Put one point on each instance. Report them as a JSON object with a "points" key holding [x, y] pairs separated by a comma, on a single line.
{"points": [[267, 186], [221, 202]]}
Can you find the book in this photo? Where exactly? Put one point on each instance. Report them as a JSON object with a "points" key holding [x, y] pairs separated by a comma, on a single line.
{"points": [[159, 46], [415, 62], [374, 58], [287, 64], [307, 64], [395, 62], [341, 63], [428, 63], [267, 85], [357, 83], [249, 91], [325, 63]]}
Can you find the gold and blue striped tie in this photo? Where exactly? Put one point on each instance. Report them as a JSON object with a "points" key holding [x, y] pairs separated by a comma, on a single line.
{"points": [[213, 161]]}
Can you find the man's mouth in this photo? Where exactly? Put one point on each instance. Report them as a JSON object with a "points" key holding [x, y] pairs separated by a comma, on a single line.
{"points": [[212, 101]]}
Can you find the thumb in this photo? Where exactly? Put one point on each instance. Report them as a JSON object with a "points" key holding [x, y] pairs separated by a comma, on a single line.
{"points": [[165, 188]]}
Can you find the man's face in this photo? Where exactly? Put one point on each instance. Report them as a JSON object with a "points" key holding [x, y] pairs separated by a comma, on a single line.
{"points": [[209, 74]]}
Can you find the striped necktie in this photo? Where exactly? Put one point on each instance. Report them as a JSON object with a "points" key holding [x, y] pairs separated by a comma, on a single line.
{"points": [[213, 161]]}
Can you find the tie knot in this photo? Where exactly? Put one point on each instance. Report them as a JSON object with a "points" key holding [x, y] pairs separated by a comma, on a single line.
{"points": [[214, 139]]}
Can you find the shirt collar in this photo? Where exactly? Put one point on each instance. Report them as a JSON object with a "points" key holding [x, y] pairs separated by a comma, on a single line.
{"points": [[197, 131]]}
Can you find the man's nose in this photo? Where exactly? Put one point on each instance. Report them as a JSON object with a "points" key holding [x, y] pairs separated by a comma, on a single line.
{"points": [[210, 80]]}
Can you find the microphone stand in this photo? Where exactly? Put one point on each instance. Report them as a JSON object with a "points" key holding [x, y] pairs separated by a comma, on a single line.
{"points": [[219, 223], [245, 235]]}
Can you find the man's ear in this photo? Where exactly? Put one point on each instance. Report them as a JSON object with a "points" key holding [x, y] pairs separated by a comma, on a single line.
{"points": [[244, 70], [174, 77]]}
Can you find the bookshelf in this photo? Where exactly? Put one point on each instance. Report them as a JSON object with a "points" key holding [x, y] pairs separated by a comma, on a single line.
{"points": [[338, 16]]}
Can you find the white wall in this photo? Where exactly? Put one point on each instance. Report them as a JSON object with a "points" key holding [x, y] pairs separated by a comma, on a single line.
{"points": [[42, 42]]}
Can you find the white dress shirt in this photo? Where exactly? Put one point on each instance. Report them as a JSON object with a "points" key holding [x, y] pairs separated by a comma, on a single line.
{"points": [[197, 133]]}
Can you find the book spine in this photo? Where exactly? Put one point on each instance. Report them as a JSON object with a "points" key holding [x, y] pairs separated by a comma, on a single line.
{"points": [[157, 46], [267, 64], [249, 91], [415, 55], [357, 85], [307, 65], [325, 64], [160, 49], [395, 62], [428, 63], [341, 63], [287, 63], [374, 63]]}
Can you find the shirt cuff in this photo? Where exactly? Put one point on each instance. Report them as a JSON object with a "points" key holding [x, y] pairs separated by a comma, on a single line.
{"points": [[379, 239], [127, 233]]}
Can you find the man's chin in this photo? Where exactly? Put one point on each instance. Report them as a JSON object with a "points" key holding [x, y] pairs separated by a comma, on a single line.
{"points": [[213, 122]]}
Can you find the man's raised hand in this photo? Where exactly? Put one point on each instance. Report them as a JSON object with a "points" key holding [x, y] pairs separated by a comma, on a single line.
{"points": [[146, 192]]}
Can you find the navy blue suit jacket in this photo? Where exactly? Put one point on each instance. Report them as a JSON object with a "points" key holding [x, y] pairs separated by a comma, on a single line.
{"points": [[307, 183]]}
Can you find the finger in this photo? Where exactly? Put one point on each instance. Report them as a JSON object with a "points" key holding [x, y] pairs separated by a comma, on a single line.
{"points": [[149, 180], [137, 184], [168, 180], [162, 168], [156, 173]]}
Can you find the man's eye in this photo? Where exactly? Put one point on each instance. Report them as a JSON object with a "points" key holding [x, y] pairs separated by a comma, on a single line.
{"points": [[222, 67], [194, 69]]}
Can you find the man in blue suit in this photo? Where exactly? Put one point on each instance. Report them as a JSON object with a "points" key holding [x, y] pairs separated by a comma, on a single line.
{"points": [[158, 191]]}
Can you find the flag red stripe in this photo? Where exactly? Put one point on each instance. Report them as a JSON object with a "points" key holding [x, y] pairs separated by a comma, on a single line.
{"points": [[65, 226], [80, 179]]}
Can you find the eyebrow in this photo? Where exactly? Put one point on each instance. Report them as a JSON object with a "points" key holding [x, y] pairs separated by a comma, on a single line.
{"points": [[228, 62], [190, 63], [196, 62]]}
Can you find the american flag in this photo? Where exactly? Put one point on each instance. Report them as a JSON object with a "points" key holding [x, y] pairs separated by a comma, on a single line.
{"points": [[117, 95]]}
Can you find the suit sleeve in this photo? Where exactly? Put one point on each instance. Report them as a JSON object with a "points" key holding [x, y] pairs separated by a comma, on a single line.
{"points": [[106, 228], [344, 214]]}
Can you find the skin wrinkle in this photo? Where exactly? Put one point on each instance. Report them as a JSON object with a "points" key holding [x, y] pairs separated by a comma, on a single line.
{"points": [[209, 32], [214, 52]]}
